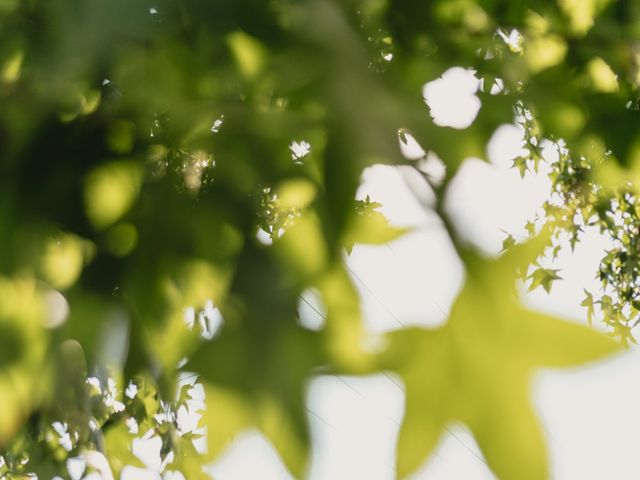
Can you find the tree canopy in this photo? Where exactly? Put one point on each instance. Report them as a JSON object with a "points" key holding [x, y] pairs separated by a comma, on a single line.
{"points": [[174, 174]]}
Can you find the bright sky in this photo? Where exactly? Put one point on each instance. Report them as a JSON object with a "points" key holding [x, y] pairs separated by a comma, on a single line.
{"points": [[590, 415]]}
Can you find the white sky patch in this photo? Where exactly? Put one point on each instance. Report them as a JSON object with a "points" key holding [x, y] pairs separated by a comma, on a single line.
{"points": [[452, 98], [433, 167], [578, 271], [513, 39], [355, 426], [217, 124], [264, 237], [311, 310], [135, 473], [147, 449], [99, 462], [413, 280], [210, 320], [65, 438], [409, 146], [76, 467], [187, 420], [419, 188], [131, 390], [484, 201], [249, 457], [385, 184], [97, 476], [592, 419], [427, 162], [172, 476], [299, 150], [132, 426], [505, 144]]}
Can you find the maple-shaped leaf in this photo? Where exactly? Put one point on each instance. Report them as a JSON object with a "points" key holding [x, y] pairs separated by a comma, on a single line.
{"points": [[477, 368], [508, 242], [186, 458], [521, 164], [543, 277], [588, 303]]}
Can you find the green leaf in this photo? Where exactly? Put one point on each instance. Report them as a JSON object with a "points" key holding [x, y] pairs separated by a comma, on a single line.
{"points": [[344, 328], [373, 228], [110, 190], [477, 369], [248, 53], [543, 277], [508, 242], [521, 164], [588, 303], [531, 229]]}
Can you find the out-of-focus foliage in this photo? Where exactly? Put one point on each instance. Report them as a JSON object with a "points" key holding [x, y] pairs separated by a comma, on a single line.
{"points": [[476, 370], [174, 174]]}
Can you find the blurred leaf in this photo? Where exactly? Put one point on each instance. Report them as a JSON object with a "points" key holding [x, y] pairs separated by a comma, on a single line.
{"points": [[110, 190], [248, 53], [24, 376], [486, 352], [295, 193], [602, 77], [10, 71], [121, 137], [302, 247], [580, 14], [226, 415], [371, 227], [344, 332], [262, 390], [545, 52], [62, 258]]}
